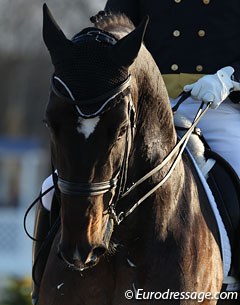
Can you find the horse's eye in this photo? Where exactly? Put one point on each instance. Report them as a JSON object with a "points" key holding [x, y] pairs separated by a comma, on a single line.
{"points": [[122, 131]]}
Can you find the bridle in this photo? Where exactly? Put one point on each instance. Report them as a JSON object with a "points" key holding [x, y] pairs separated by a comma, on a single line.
{"points": [[107, 98], [86, 189], [121, 90], [118, 182], [119, 179]]}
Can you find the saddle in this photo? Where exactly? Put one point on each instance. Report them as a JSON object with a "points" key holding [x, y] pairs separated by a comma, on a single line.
{"points": [[224, 184]]}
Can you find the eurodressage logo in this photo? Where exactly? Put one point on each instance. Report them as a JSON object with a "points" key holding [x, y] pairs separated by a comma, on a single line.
{"points": [[140, 294]]}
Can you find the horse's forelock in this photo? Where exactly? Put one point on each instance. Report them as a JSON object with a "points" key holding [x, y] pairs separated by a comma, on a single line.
{"points": [[108, 21]]}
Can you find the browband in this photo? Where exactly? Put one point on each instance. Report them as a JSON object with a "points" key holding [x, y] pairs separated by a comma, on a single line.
{"points": [[104, 97], [98, 35]]}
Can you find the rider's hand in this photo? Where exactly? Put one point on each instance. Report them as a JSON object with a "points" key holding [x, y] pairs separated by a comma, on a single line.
{"points": [[214, 88]]}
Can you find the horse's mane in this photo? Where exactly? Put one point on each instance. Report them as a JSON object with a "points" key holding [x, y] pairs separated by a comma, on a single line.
{"points": [[108, 21]]}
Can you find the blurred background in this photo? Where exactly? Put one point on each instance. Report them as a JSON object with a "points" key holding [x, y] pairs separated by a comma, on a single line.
{"points": [[25, 70]]}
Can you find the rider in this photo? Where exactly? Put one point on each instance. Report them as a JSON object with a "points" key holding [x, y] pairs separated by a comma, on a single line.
{"points": [[197, 52]]}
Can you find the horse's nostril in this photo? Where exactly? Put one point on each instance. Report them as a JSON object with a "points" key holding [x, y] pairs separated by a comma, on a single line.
{"points": [[98, 251], [81, 257]]}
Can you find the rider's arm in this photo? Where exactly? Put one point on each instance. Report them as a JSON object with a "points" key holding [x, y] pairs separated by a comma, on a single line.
{"points": [[130, 8]]}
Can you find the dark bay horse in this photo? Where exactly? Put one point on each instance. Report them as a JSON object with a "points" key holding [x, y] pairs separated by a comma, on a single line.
{"points": [[110, 124]]}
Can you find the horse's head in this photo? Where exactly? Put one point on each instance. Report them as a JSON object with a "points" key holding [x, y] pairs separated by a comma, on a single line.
{"points": [[90, 116]]}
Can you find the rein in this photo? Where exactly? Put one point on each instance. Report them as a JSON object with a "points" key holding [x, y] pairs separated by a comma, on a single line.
{"points": [[178, 148]]}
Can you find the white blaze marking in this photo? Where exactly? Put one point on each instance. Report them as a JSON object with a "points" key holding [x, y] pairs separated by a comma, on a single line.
{"points": [[87, 126]]}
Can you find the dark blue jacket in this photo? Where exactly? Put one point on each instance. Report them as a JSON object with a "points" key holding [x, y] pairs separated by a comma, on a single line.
{"points": [[188, 36]]}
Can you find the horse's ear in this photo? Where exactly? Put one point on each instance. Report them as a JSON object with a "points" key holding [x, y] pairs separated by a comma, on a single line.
{"points": [[53, 36], [126, 49]]}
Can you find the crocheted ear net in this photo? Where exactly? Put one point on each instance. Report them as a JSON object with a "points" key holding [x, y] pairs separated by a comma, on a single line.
{"points": [[87, 67]]}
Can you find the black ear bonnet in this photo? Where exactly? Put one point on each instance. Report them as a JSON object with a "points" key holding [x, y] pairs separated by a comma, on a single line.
{"points": [[93, 62], [86, 66]]}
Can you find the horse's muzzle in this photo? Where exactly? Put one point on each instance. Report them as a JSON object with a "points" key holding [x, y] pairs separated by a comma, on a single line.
{"points": [[82, 256]]}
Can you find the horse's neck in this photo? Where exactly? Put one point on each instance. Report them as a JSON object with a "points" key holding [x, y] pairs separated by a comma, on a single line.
{"points": [[155, 138]]}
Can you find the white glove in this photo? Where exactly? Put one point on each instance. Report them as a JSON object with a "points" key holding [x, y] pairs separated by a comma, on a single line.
{"points": [[214, 88]]}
